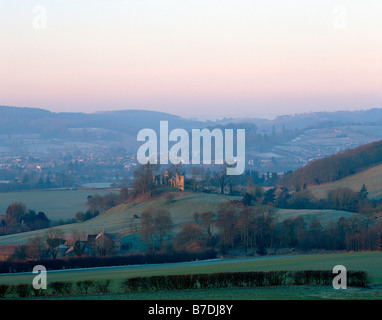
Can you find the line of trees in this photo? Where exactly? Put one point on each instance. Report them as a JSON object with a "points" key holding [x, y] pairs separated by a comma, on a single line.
{"points": [[226, 229], [357, 233], [156, 227], [94, 261], [256, 229], [342, 198]]}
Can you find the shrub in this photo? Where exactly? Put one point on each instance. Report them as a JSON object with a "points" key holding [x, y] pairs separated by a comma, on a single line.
{"points": [[23, 290], [275, 278], [84, 286], [357, 278], [4, 290], [61, 287], [39, 292], [103, 286]]}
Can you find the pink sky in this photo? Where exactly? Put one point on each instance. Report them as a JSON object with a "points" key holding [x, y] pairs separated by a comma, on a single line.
{"points": [[193, 58]]}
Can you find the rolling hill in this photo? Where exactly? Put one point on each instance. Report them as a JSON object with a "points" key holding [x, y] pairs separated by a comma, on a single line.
{"points": [[337, 166], [119, 219], [372, 178]]}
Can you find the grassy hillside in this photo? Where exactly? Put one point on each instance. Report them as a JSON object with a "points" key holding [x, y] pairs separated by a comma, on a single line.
{"points": [[119, 219], [372, 178], [337, 166]]}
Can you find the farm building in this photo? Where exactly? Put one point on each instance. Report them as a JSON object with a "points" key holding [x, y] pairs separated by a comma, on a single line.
{"points": [[102, 243]]}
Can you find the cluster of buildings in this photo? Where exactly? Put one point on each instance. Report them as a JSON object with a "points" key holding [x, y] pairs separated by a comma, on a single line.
{"points": [[101, 244], [55, 170]]}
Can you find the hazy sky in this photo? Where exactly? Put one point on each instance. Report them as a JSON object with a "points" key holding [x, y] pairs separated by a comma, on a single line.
{"points": [[203, 58]]}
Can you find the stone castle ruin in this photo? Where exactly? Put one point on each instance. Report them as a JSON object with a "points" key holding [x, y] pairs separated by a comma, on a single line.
{"points": [[166, 179]]}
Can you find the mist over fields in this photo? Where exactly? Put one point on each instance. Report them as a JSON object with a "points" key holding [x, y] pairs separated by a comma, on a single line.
{"points": [[279, 145]]}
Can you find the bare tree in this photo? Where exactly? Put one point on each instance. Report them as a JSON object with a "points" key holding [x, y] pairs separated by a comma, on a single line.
{"points": [[221, 178], [189, 238], [227, 223], [207, 220], [35, 247], [53, 240], [163, 225], [156, 226], [147, 227], [143, 180]]}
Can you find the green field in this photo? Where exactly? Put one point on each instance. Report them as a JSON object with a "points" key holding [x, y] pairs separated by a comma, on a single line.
{"points": [[57, 204], [372, 178], [324, 216], [371, 262]]}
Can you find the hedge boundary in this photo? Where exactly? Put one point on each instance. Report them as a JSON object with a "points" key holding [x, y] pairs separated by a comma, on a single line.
{"points": [[92, 262], [240, 279], [249, 279]]}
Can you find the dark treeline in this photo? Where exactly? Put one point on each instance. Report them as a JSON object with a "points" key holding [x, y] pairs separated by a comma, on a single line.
{"points": [[336, 166], [239, 279], [89, 262], [358, 233]]}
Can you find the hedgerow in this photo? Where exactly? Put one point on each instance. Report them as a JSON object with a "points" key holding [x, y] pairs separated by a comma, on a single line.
{"points": [[188, 281], [239, 279]]}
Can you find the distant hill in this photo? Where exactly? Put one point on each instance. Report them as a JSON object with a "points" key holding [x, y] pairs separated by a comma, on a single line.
{"points": [[140, 119], [16, 120], [325, 119], [337, 166], [37, 120]]}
